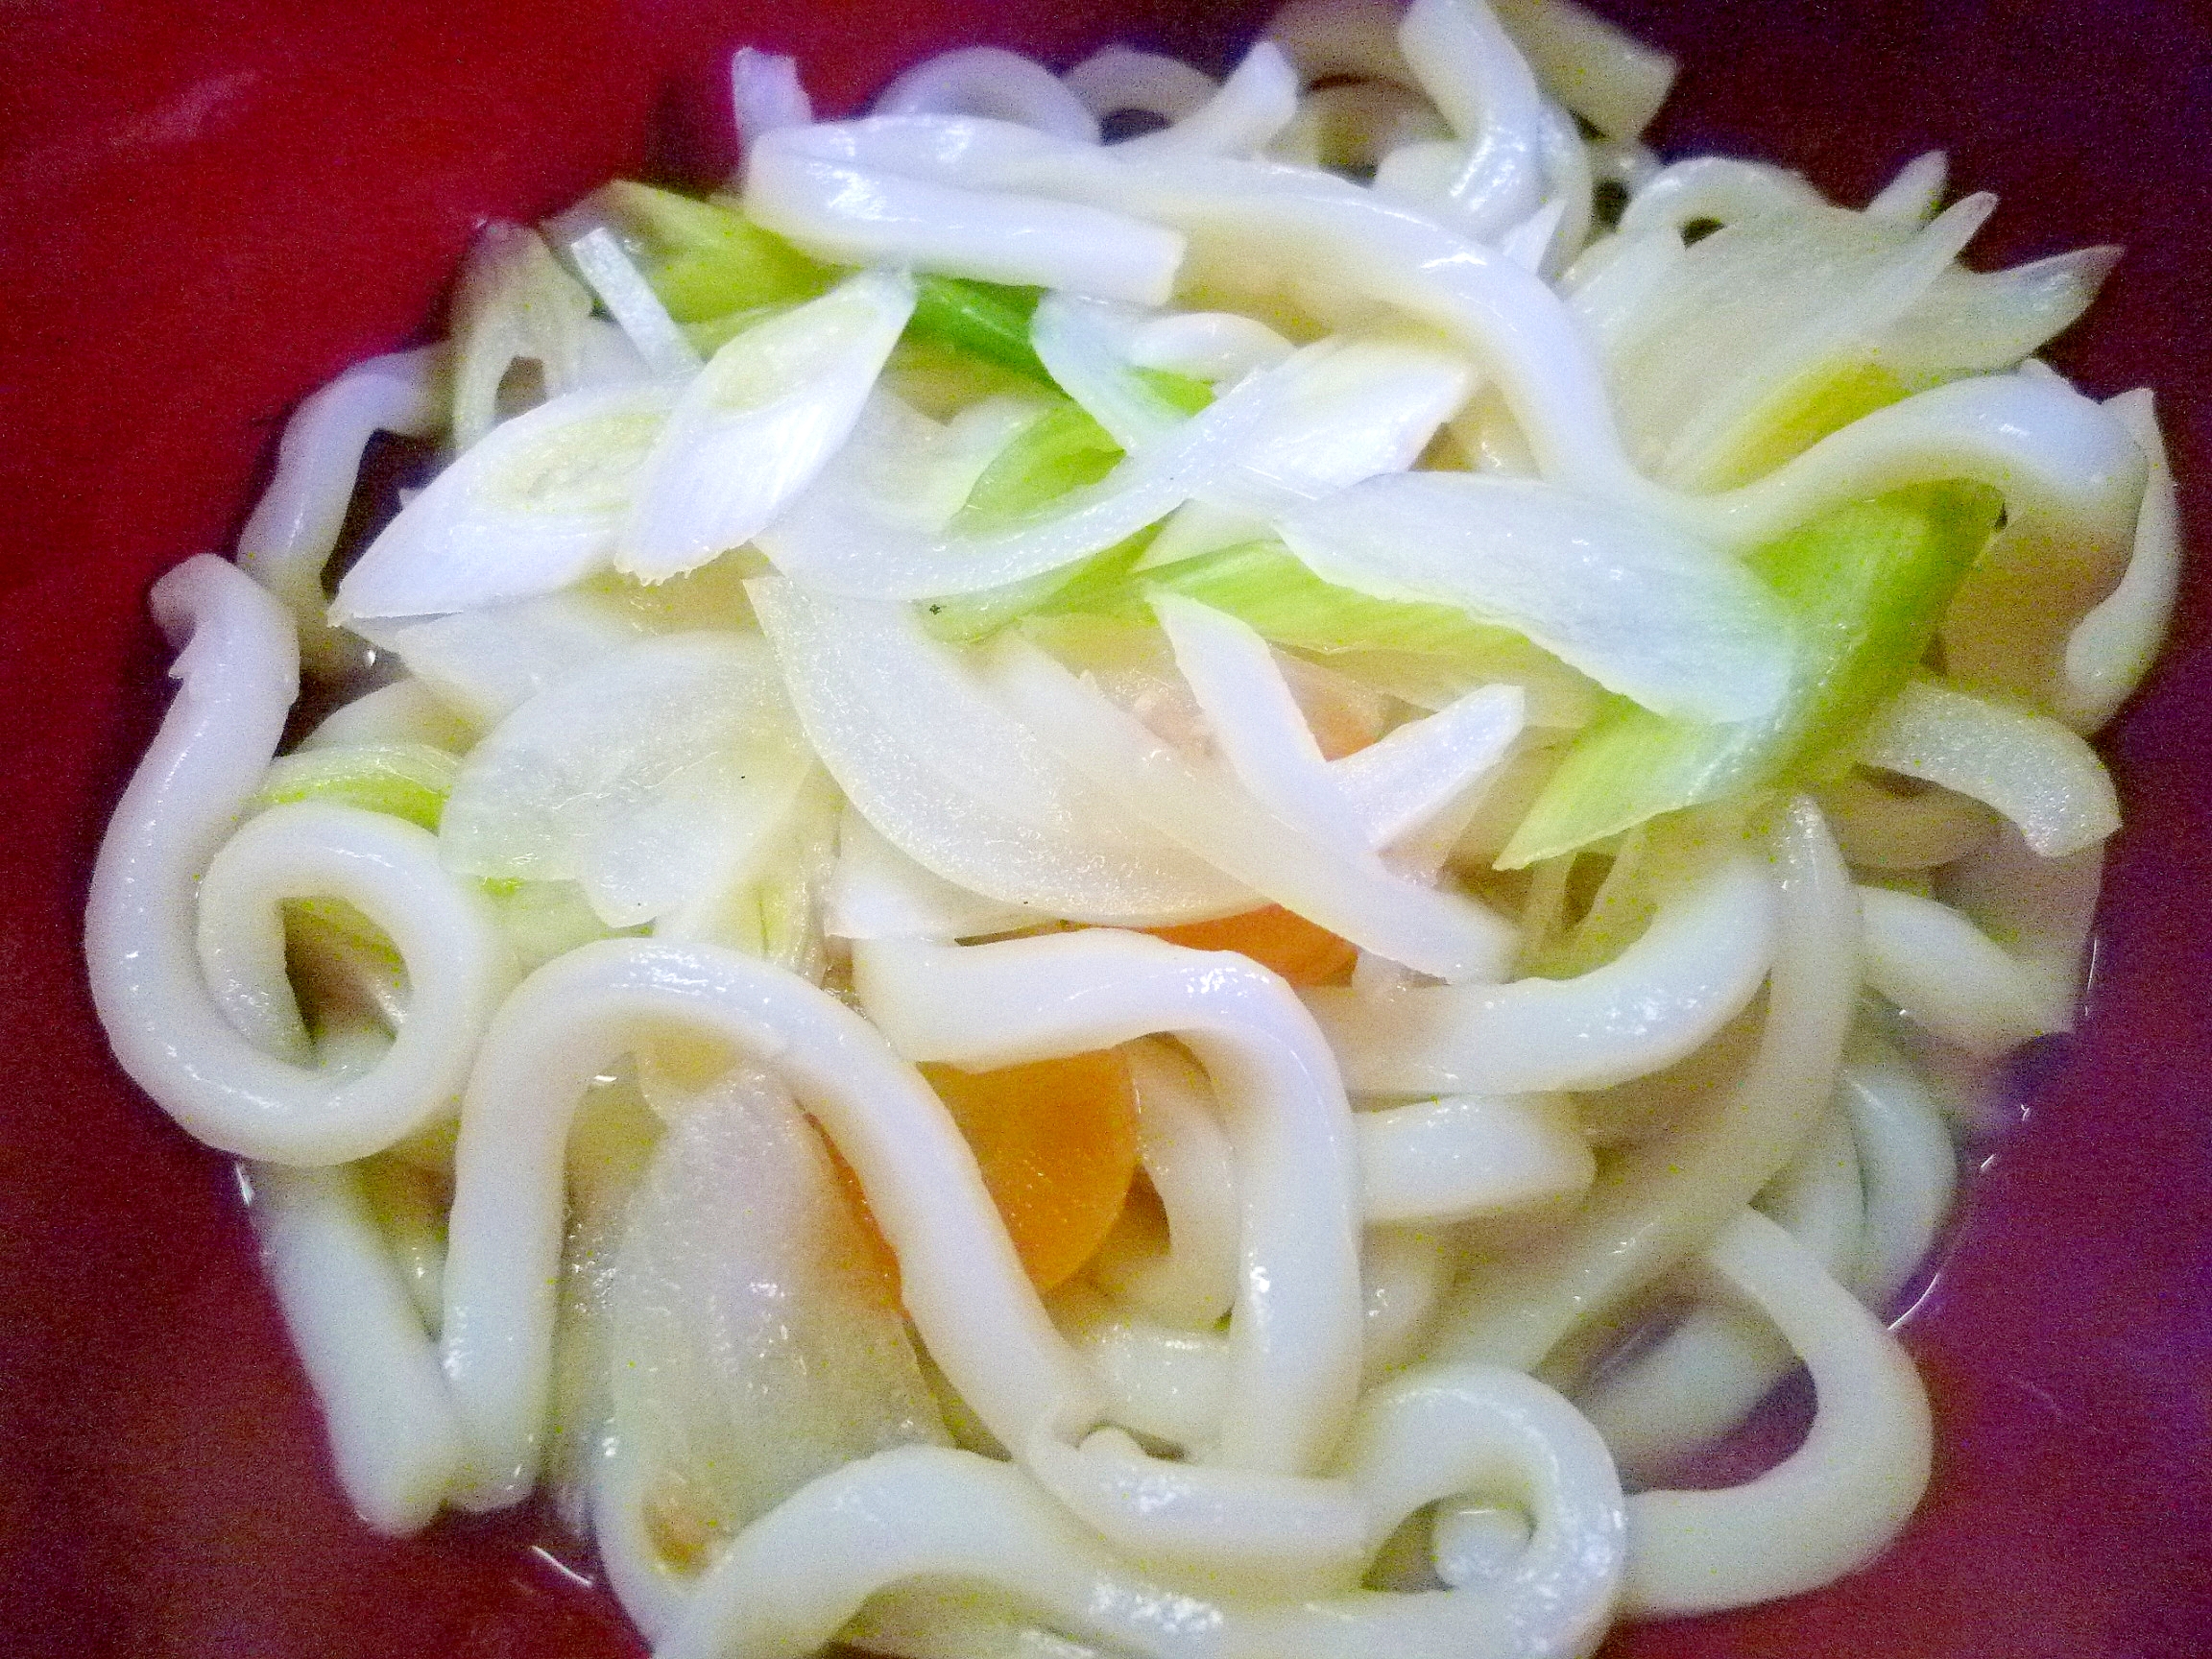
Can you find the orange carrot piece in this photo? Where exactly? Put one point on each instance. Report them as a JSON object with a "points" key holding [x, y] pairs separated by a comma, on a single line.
{"points": [[1275, 938], [1056, 1142]]}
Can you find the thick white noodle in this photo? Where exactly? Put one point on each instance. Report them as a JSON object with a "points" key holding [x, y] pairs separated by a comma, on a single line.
{"points": [[766, 94], [295, 525], [1829, 1506], [960, 1277], [1189, 1161], [1660, 1202], [1909, 1165], [2111, 648], [991, 81], [860, 205], [1115, 79], [1465, 1155], [395, 1440], [1708, 1373], [1700, 961], [238, 667], [794, 1578], [1715, 187], [1494, 177], [1953, 978], [1254, 105], [1294, 1333]]}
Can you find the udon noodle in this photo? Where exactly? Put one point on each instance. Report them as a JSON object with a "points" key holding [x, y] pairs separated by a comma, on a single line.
{"points": [[1142, 866]]}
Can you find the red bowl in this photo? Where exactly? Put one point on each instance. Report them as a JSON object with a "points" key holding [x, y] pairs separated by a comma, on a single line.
{"points": [[210, 211]]}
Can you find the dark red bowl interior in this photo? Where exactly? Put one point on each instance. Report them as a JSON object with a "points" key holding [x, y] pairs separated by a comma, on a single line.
{"points": [[208, 210]]}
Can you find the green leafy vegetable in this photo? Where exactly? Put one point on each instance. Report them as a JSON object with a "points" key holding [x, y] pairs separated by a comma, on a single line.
{"points": [[990, 321], [1866, 585], [705, 260], [408, 780]]}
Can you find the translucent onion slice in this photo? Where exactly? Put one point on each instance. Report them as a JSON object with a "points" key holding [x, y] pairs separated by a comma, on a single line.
{"points": [[1350, 892], [877, 892], [486, 663], [1401, 783], [960, 786], [646, 778], [600, 257], [1087, 345], [1641, 609], [2031, 768], [536, 505], [756, 1341], [753, 427]]}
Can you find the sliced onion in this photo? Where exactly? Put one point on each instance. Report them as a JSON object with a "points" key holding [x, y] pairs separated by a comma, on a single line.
{"points": [[961, 788], [877, 892], [488, 662], [1399, 784], [646, 776], [600, 258], [1605, 75], [515, 304], [536, 505], [753, 427], [1351, 893]]}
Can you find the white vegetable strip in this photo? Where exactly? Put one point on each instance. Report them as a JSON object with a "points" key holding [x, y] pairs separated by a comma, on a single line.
{"points": [[646, 776], [815, 185], [877, 892], [753, 427], [394, 1437], [235, 658], [1256, 724], [989, 81], [1603, 74], [1086, 346], [1829, 1506], [1694, 970], [295, 525], [1209, 344], [841, 538], [1640, 609], [515, 304], [405, 712], [1116, 77], [2111, 649], [1953, 978], [488, 661], [950, 778], [1911, 196], [2034, 771], [630, 301], [765, 94], [1984, 321], [1341, 412], [1400, 784], [1465, 1155], [538, 504], [959, 1277], [1351, 893], [1294, 1336]]}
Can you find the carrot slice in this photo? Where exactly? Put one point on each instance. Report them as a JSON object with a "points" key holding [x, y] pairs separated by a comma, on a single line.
{"points": [[1275, 938], [1056, 1142]]}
